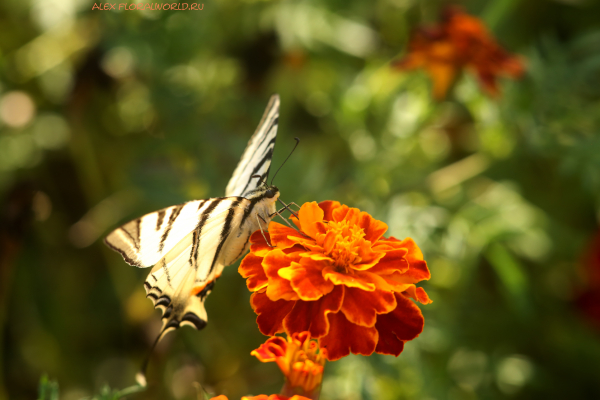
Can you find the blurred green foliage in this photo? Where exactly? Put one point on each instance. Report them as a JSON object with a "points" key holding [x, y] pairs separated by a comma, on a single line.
{"points": [[48, 389], [107, 115]]}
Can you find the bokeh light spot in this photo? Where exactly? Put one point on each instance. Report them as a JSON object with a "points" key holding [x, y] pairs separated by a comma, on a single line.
{"points": [[16, 109], [513, 373], [51, 131], [118, 62]]}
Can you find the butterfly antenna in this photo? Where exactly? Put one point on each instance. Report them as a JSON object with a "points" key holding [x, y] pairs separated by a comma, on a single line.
{"points": [[282, 164], [260, 178]]}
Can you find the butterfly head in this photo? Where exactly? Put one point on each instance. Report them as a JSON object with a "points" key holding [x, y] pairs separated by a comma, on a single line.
{"points": [[264, 190], [271, 191]]}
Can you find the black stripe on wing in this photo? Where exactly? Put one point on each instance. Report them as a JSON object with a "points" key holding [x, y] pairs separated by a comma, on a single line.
{"points": [[257, 154], [198, 231], [160, 219], [171, 319], [123, 254], [172, 218], [206, 291], [266, 158], [189, 319], [195, 320], [225, 232]]}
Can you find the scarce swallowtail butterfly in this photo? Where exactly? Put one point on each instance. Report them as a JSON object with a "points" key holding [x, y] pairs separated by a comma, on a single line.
{"points": [[188, 245]]}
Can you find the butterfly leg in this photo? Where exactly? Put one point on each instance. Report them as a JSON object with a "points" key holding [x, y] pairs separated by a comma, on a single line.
{"points": [[286, 207], [288, 223], [294, 204], [261, 229]]}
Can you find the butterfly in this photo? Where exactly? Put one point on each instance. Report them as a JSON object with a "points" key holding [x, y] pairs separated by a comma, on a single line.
{"points": [[188, 245]]}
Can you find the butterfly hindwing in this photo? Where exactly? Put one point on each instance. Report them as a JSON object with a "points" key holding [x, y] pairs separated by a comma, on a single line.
{"points": [[257, 156], [180, 281]]}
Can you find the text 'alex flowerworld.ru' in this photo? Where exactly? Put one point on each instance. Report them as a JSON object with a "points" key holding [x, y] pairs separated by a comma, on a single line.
{"points": [[148, 6]]}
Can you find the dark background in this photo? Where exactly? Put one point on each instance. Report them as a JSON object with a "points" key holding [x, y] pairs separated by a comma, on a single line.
{"points": [[105, 116]]}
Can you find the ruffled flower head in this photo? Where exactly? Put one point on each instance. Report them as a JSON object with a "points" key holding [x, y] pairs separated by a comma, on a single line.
{"points": [[339, 279], [459, 42], [264, 397], [300, 360]]}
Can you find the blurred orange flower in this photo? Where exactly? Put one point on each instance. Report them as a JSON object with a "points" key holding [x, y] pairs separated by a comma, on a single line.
{"points": [[338, 279], [588, 291], [275, 397], [460, 41], [264, 397], [300, 360]]}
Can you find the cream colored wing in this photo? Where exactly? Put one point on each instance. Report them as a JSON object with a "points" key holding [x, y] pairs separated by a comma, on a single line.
{"points": [[256, 159], [179, 283]]}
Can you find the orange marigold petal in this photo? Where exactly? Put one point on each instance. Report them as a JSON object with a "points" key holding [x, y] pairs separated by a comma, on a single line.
{"points": [[329, 241], [316, 255], [417, 271], [301, 337], [259, 247], [384, 244], [252, 269], [347, 279], [375, 279], [271, 349], [361, 307], [312, 315], [328, 206], [278, 287], [389, 343], [403, 324], [351, 215], [369, 258], [270, 313], [310, 215], [417, 294], [345, 337], [339, 213], [283, 236], [374, 229], [307, 279], [393, 284], [417, 266], [393, 261], [219, 397]]}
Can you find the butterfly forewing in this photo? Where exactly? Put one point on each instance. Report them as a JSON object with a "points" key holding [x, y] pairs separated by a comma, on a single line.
{"points": [[257, 156], [144, 241]]}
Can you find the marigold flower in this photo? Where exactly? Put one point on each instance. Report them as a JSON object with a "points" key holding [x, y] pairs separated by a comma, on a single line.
{"points": [[300, 360], [460, 41], [588, 291], [338, 279], [264, 397]]}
